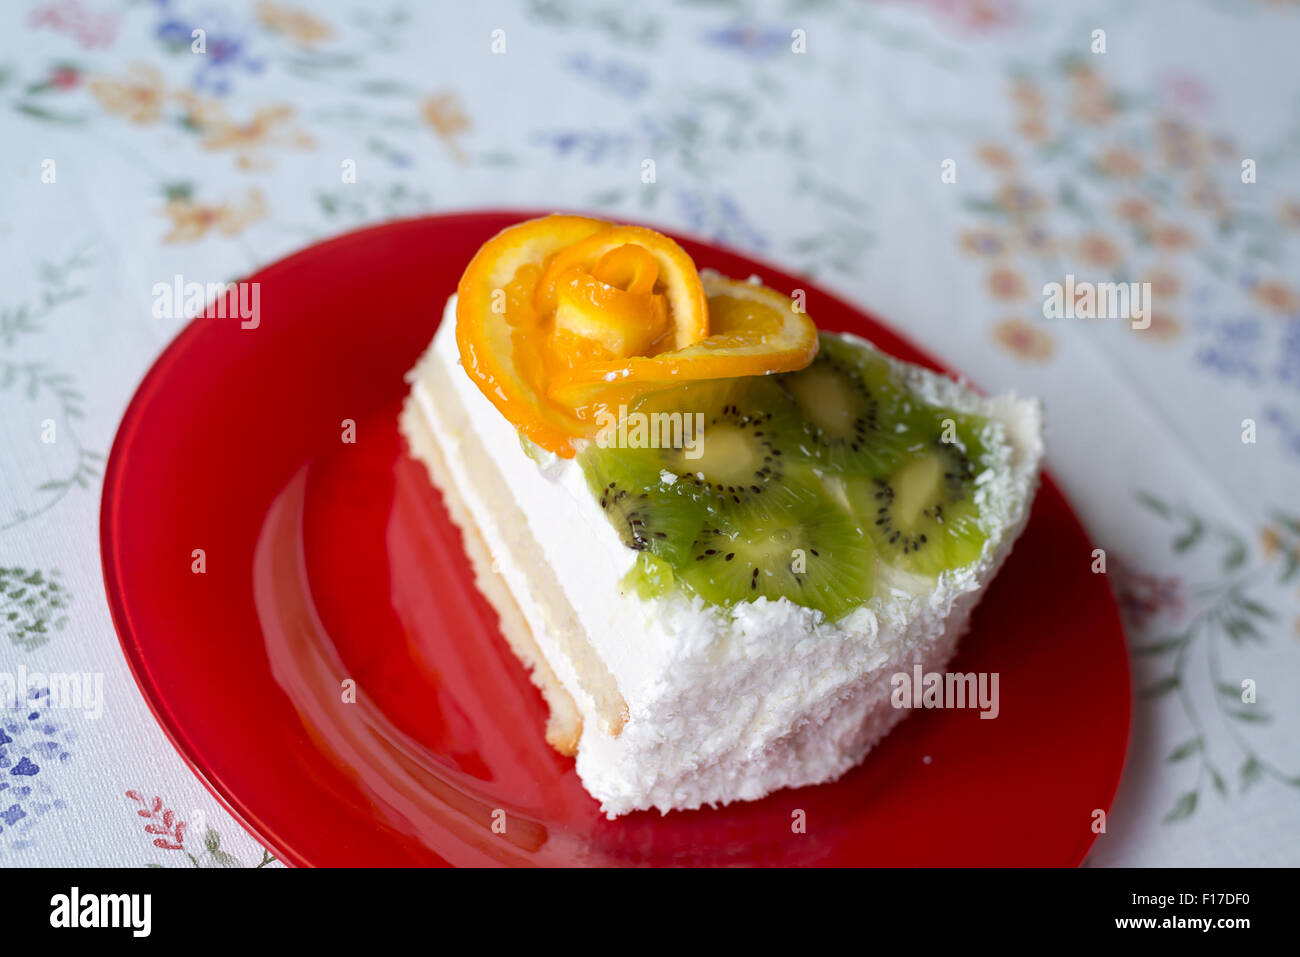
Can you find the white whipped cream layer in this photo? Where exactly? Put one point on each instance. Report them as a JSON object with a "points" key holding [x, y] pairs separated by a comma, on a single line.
{"points": [[722, 704]]}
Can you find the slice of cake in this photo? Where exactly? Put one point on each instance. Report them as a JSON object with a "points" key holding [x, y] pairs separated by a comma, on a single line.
{"points": [[712, 536]]}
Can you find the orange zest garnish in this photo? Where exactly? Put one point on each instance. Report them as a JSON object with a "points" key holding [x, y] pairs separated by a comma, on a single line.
{"points": [[626, 323], [561, 317], [629, 267], [676, 276]]}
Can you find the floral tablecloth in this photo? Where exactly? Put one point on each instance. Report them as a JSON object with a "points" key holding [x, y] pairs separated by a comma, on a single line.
{"points": [[938, 162]]}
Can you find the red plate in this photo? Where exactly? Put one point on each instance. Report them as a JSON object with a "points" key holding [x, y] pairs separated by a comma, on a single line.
{"points": [[328, 561]]}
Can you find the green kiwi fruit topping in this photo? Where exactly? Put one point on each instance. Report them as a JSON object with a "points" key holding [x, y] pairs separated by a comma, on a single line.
{"points": [[796, 486]]}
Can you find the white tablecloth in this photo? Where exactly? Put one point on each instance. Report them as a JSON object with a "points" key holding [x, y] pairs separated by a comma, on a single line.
{"points": [[936, 162]]}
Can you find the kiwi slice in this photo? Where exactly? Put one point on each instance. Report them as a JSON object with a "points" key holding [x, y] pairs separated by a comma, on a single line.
{"points": [[646, 522], [726, 455], [848, 405], [812, 554], [923, 517]]}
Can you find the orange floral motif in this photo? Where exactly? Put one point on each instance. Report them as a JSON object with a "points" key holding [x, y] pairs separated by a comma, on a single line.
{"points": [[1224, 147], [200, 112], [1019, 199], [446, 117], [1082, 73], [1207, 196], [1024, 340], [1172, 129], [1273, 545], [1006, 284], [1164, 283], [269, 126], [1181, 147], [1096, 250], [1092, 109], [996, 157], [1290, 213], [1090, 103], [296, 24], [1036, 241], [979, 15], [1270, 542], [138, 96], [1034, 130], [983, 242], [1163, 328], [1120, 163], [1134, 209], [1027, 95], [191, 221], [1172, 238], [1277, 297]]}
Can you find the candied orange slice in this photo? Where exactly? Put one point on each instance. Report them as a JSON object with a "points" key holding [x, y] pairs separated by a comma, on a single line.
{"points": [[754, 331], [502, 340], [676, 277], [561, 317]]}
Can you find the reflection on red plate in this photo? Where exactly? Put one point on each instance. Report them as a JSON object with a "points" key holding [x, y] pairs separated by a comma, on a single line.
{"points": [[328, 561]]}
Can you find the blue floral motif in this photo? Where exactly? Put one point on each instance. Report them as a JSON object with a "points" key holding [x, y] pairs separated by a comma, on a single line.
{"points": [[30, 746], [718, 216], [1288, 362], [1234, 348], [614, 76], [589, 146], [760, 43], [1290, 429], [1240, 348], [225, 54]]}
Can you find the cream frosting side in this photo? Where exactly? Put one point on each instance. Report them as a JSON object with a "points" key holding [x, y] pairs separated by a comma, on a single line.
{"points": [[724, 705]]}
